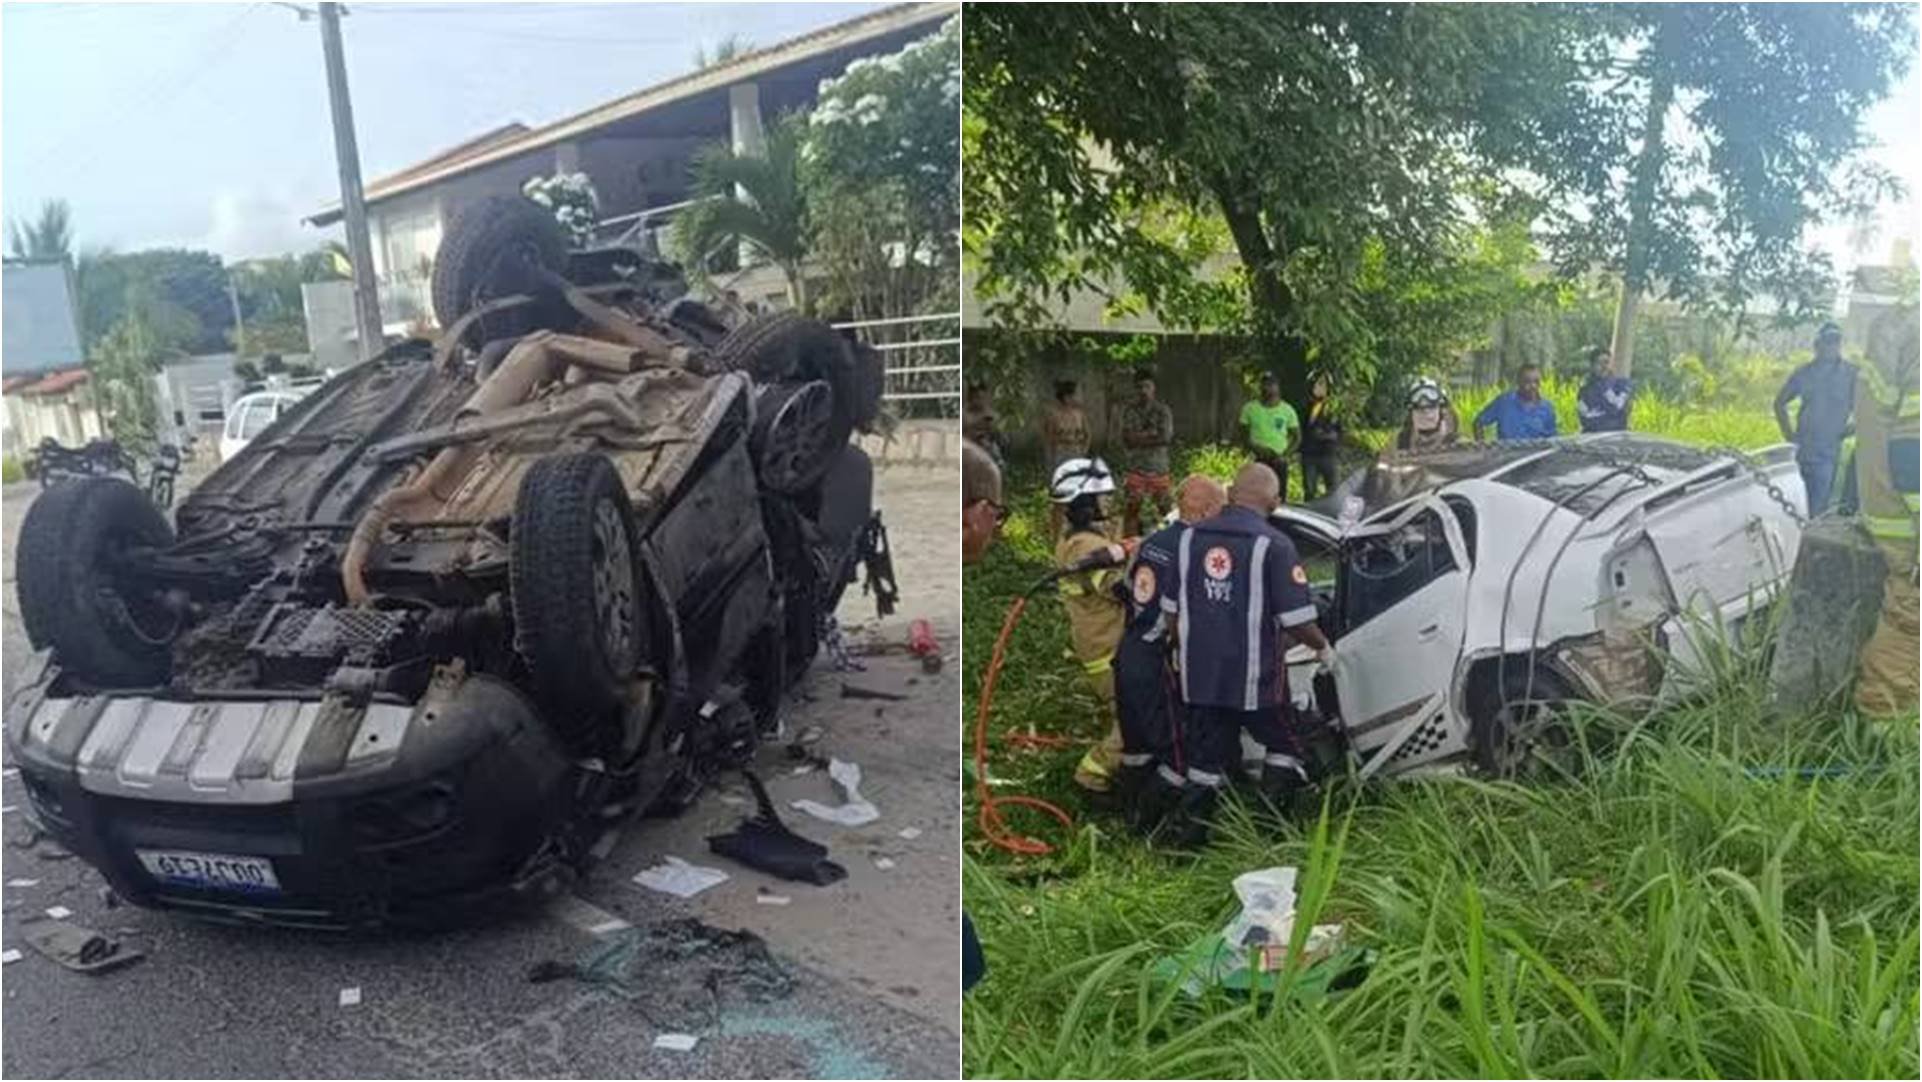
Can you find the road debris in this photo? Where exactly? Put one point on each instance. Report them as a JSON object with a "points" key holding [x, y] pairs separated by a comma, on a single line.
{"points": [[9, 956], [855, 810], [676, 1042], [766, 843], [908, 833], [59, 912], [350, 997], [921, 644], [854, 691], [679, 974], [82, 950], [679, 878], [22, 884], [884, 863], [772, 899]]}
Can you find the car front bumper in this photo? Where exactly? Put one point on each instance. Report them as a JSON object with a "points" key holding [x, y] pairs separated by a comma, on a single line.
{"points": [[380, 813]]}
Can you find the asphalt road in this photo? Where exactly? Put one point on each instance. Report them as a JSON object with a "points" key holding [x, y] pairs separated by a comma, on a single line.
{"points": [[872, 960]]}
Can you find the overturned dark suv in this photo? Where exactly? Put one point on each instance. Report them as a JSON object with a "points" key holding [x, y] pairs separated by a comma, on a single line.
{"points": [[407, 654]]}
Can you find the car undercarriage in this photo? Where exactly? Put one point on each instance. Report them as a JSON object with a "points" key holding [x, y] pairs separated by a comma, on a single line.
{"points": [[457, 608]]}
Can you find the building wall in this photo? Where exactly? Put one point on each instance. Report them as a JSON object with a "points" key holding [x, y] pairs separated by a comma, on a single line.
{"points": [[40, 333]]}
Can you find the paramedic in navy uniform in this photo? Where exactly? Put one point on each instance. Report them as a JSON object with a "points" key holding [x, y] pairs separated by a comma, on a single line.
{"points": [[1238, 584]]}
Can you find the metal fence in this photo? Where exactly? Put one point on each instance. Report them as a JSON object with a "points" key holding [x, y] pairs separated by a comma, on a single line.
{"points": [[923, 355]]}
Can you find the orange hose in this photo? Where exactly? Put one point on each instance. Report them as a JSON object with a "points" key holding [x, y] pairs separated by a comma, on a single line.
{"points": [[993, 825]]}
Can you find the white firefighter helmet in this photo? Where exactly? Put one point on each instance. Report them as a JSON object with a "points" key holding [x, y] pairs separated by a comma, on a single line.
{"points": [[1425, 392], [1079, 477]]}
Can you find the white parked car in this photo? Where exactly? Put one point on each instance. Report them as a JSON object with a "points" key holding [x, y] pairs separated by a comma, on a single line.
{"points": [[250, 415], [1470, 589]]}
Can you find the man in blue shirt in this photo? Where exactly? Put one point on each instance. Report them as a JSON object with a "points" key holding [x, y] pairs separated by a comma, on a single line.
{"points": [[1826, 387], [1602, 403], [1149, 784], [1238, 584], [1520, 414]]}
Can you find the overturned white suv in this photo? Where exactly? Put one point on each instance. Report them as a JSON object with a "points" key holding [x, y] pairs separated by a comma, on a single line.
{"points": [[1472, 590]]}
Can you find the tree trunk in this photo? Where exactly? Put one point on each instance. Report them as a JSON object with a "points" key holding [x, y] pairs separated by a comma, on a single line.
{"points": [[1641, 205], [1269, 295]]}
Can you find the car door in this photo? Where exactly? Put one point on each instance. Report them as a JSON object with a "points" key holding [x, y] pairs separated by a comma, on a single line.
{"points": [[1400, 600], [1318, 546]]}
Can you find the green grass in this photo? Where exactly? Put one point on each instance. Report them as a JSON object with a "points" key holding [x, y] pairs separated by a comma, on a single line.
{"points": [[1674, 912], [11, 470]]}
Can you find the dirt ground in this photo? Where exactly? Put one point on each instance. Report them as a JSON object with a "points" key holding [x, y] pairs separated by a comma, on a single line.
{"points": [[874, 958]]}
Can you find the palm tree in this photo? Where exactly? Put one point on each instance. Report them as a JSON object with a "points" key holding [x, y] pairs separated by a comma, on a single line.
{"points": [[752, 200], [50, 237]]}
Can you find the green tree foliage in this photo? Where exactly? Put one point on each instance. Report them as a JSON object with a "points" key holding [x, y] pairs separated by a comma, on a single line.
{"points": [[273, 313], [1689, 147], [50, 236], [881, 170], [123, 364], [753, 201], [178, 296], [726, 49], [1329, 138]]}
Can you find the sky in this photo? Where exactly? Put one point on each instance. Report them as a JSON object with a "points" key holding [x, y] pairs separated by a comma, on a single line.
{"points": [[206, 125]]}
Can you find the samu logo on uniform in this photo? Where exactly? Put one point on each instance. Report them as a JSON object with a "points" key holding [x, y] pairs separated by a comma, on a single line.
{"points": [[1219, 563]]}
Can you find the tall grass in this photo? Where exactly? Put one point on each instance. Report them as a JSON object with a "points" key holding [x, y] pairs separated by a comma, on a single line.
{"points": [[1720, 895]]}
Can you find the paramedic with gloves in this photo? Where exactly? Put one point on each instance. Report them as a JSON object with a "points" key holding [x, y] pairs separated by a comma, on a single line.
{"points": [[1238, 585]]}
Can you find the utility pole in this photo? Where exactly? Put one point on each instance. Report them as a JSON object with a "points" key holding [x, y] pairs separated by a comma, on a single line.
{"points": [[353, 207], [240, 328]]}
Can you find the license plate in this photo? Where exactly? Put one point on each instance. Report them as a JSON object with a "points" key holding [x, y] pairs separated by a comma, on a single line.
{"points": [[210, 871]]}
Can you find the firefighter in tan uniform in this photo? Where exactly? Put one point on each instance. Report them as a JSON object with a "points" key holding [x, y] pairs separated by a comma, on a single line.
{"points": [[1096, 614], [1885, 477]]}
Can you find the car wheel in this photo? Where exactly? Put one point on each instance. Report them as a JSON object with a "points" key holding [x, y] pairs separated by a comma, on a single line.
{"points": [[1523, 731], [102, 627], [784, 347], [577, 589], [496, 248]]}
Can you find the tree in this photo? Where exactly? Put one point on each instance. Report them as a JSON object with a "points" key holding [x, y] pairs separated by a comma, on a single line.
{"points": [[123, 365], [880, 166], [571, 198], [1326, 138], [179, 297], [726, 49], [49, 237], [751, 200], [1690, 147]]}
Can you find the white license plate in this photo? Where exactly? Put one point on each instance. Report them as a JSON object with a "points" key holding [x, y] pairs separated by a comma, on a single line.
{"points": [[212, 871]]}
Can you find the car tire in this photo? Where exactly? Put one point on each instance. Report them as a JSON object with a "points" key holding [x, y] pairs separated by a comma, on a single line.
{"points": [[496, 248], [577, 590], [1520, 728], [784, 347], [69, 600]]}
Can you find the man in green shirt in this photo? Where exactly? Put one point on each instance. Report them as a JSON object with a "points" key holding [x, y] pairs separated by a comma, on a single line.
{"points": [[1270, 429], [1147, 428]]}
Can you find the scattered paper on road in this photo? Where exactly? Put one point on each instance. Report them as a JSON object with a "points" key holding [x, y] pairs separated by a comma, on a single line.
{"points": [[676, 1042], [883, 863], [908, 833], [679, 878], [855, 811], [23, 884], [350, 997], [734, 799], [9, 956], [772, 899], [59, 912]]}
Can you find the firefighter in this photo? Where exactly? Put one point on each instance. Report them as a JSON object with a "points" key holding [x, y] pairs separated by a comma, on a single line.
{"points": [[1238, 585], [1885, 481], [1150, 781], [1091, 561]]}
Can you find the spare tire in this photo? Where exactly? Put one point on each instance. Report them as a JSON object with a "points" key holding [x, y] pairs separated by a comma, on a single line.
{"points": [[72, 598], [496, 248], [783, 347], [577, 590]]}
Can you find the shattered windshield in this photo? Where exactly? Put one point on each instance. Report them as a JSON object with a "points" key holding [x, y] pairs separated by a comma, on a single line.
{"points": [[1587, 478]]}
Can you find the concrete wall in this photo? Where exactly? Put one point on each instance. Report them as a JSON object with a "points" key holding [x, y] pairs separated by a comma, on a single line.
{"points": [[1192, 375], [40, 333]]}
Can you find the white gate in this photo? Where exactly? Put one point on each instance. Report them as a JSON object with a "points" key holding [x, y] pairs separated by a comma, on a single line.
{"points": [[923, 355]]}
